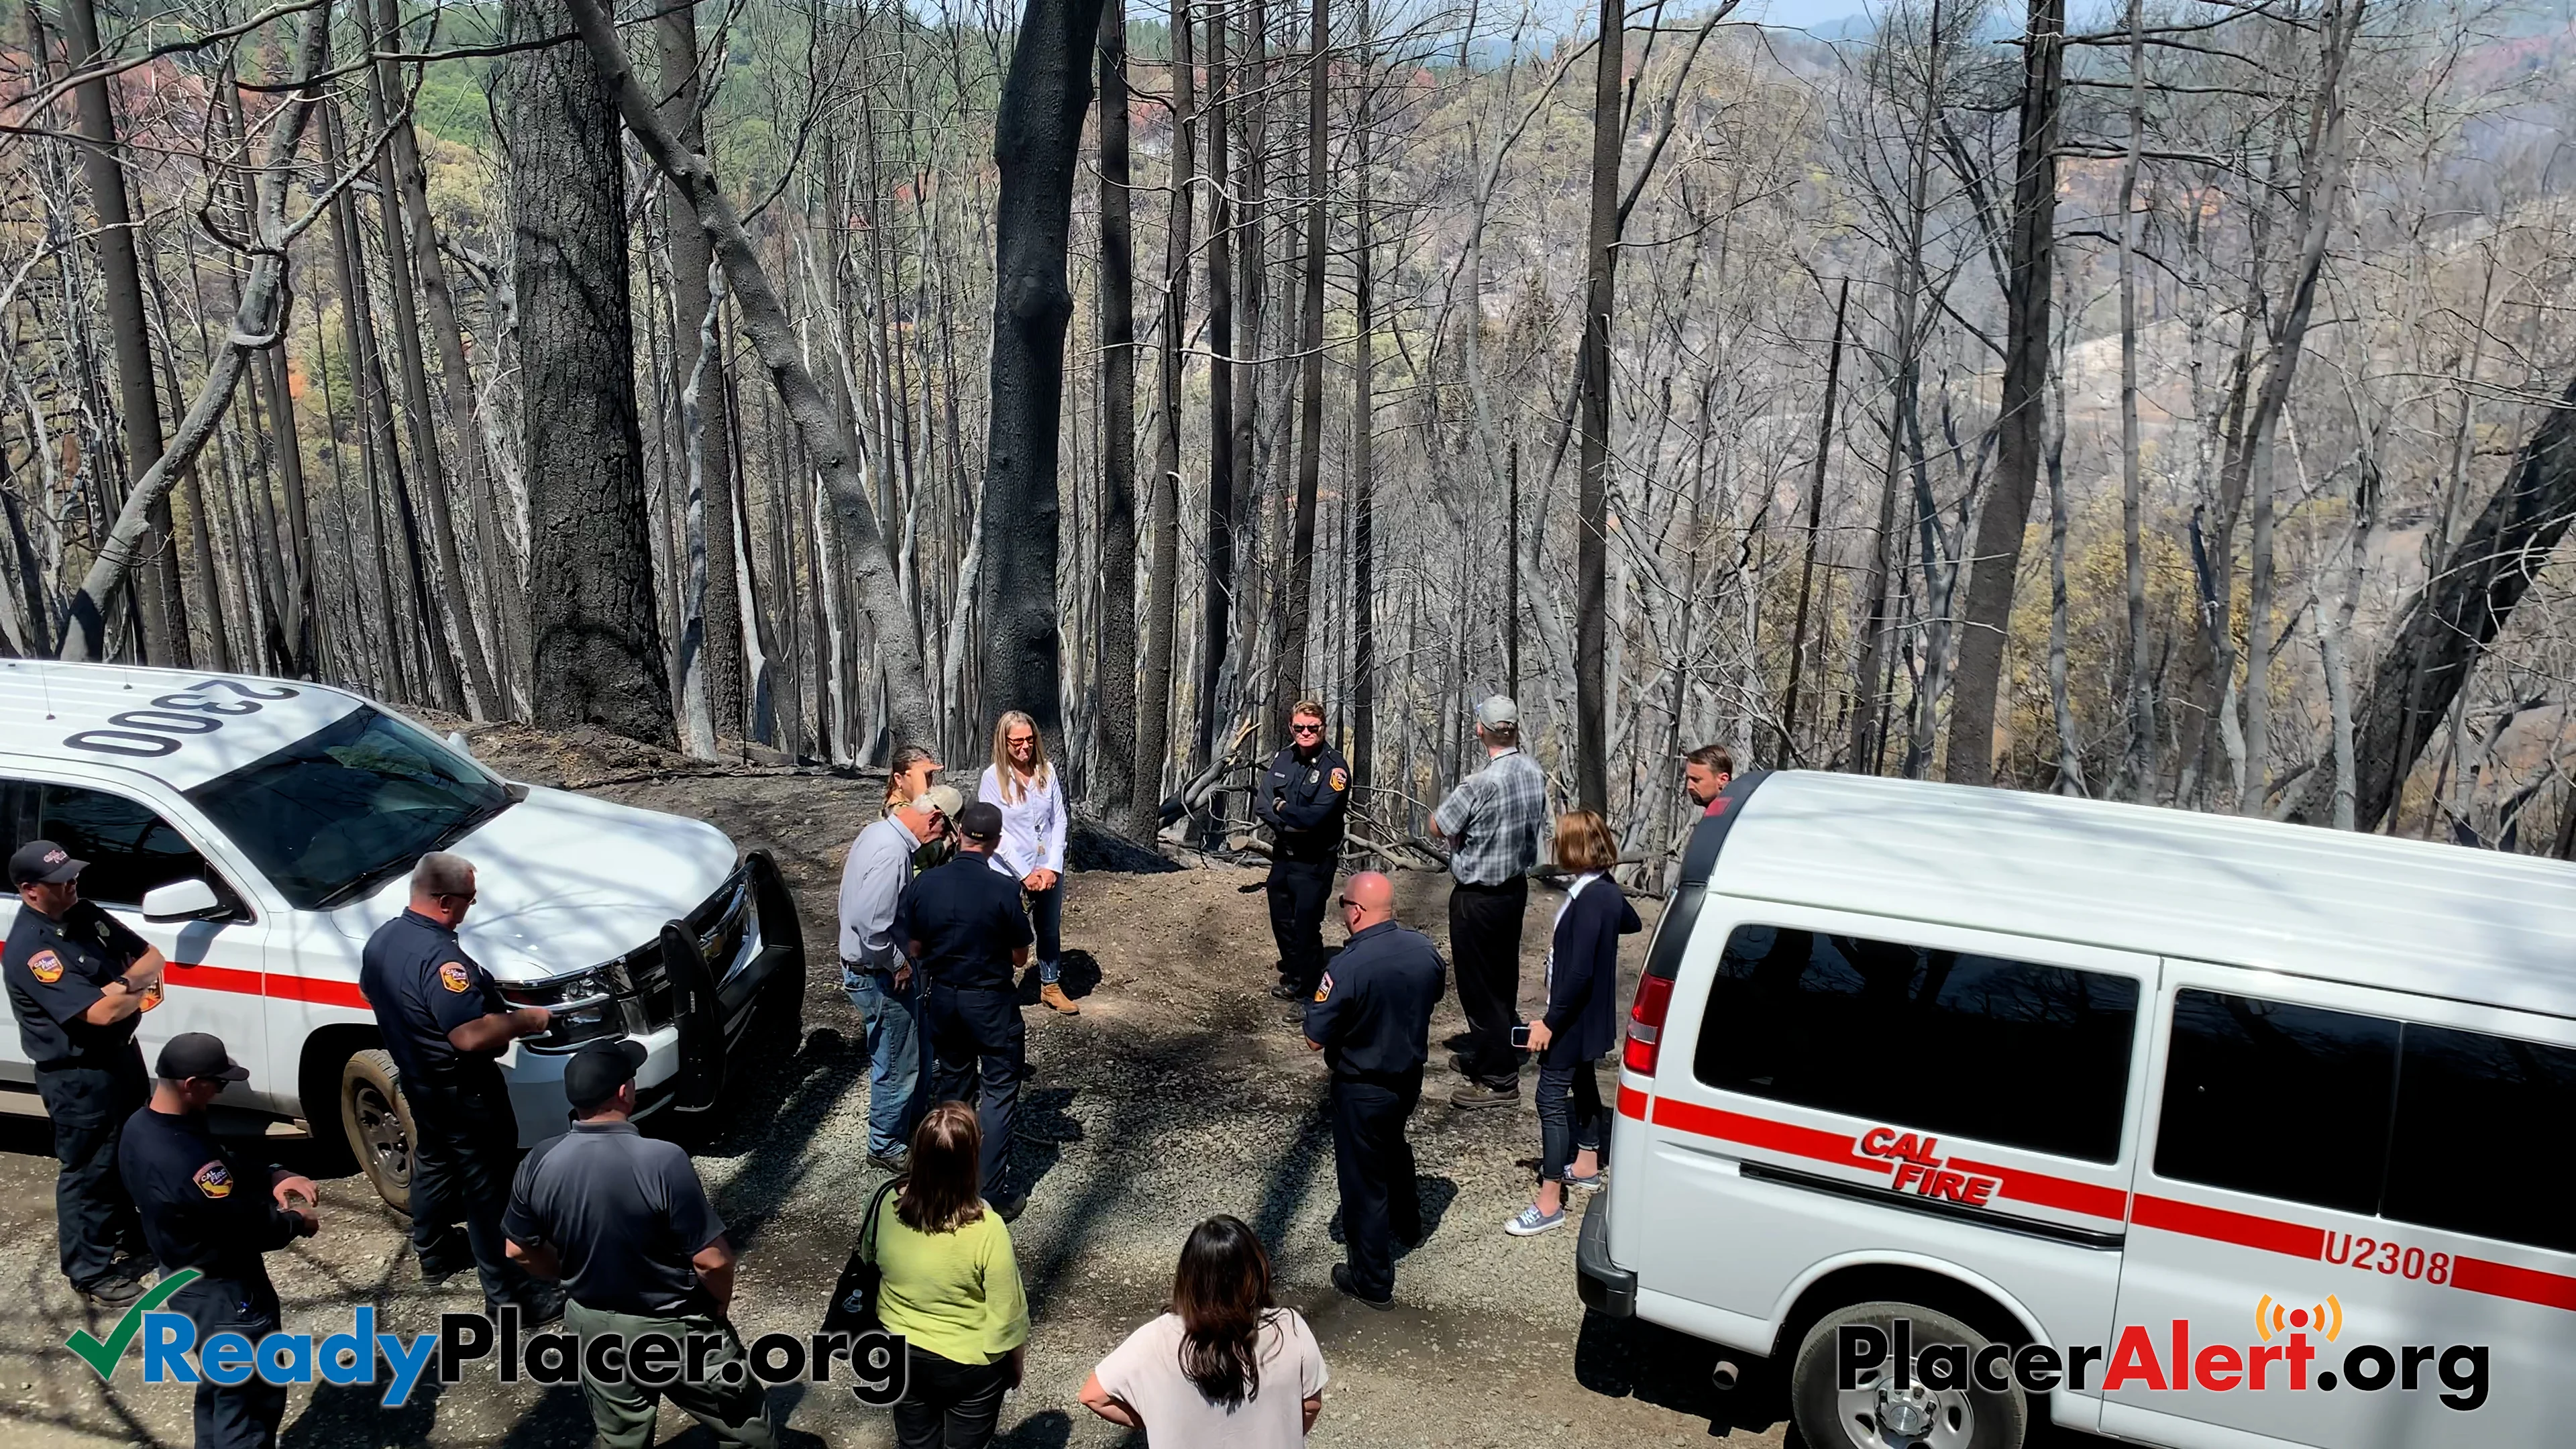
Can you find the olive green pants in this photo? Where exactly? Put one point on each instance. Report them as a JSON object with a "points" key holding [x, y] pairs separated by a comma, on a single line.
{"points": [[623, 1411]]}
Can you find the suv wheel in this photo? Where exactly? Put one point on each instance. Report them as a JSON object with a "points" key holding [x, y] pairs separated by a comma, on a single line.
{"points": [[1875, 1414], [377, 1122]]}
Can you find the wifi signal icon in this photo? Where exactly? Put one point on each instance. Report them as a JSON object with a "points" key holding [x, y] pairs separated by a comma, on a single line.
{"points": [[2325, 1318]]}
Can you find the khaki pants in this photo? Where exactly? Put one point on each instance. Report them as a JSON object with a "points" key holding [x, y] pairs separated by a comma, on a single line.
{"points": [[623, 1412]]}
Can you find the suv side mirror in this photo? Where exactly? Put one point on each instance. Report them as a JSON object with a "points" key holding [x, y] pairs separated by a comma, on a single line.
{"points": [[181, 900], [456, 741]]}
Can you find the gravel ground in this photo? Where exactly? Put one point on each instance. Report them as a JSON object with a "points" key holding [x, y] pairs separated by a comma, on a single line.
{"points": [[1181, 1090]]}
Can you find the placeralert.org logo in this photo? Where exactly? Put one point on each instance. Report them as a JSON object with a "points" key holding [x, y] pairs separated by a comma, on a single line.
{"points": [[2283, 1358]]}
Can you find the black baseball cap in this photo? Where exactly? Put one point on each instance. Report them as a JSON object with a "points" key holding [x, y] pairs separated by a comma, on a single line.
{"points": [[197, 1054], [980, 821], [596, 1071], [41, 862]]}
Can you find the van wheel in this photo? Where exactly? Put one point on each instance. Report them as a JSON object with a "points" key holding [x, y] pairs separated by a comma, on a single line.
{"points": [[377, 1123], [1875, 1414]]}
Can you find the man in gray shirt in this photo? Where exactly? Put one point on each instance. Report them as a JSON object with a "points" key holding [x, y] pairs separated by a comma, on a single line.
{"points": [[1495, 823], [624, 1223], [874, 970]]}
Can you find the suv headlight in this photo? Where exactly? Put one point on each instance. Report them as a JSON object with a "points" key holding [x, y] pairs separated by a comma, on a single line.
{"points": [[584, 1006]]}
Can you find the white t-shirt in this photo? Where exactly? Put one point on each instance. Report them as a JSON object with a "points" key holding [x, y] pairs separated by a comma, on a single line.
{"points": [[1145, 1372]]}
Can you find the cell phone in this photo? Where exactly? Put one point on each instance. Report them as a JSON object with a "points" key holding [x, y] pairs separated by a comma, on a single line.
{"points": [[1520, 1037]]}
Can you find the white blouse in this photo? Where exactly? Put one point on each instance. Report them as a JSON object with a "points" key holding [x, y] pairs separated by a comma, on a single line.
{"points": [[1032, 826]]}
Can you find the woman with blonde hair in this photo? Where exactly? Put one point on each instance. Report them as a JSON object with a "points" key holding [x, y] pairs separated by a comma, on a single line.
{"points": [[948, 1283], [1030, 795], [1581, 1023]]}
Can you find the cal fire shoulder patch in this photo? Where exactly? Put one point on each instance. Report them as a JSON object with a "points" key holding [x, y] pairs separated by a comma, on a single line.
{"points": [[214, 1180], [1341, 778], [46, 967], [454, 976], [1324, 987]]}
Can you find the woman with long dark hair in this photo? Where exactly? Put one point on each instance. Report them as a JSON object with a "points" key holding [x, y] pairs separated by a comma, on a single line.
{"points": [[949, 1284], [1226, 1366]]}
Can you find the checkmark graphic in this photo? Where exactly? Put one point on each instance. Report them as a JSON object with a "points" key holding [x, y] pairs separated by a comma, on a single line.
{"points": [[102, 1357]]}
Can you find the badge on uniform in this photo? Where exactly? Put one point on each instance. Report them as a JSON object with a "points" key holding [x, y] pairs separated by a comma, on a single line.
{"points": [[1324, 987], [214, 1180], [1341, 778], [453, 976], [46, 967]]}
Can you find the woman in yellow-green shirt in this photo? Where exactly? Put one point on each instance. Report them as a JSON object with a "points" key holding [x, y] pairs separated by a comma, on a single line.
{"points": [[949, 1284]]}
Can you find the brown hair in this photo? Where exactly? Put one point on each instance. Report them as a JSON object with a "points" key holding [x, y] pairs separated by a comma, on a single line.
{"points": [[942, 1188], [900, 766], [1584, 842], [1713, 757], [1005, 774], [1221, 1293], [1308, 707]]}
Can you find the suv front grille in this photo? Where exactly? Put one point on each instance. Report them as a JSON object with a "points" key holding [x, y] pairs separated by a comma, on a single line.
{"points": [[720, 923]]}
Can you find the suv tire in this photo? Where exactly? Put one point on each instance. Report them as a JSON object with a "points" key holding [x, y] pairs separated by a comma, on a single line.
{"points": [[376, 1122], [1874, 1416]]}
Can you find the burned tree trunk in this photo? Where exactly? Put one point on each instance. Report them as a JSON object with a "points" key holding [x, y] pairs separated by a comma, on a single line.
{"points": [[1116, 781]]}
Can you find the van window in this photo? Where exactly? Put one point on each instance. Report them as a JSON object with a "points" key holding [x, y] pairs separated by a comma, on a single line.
{"points": [[2273, 1098], [2462, 1156], [2035, 1057], [129, 848]]}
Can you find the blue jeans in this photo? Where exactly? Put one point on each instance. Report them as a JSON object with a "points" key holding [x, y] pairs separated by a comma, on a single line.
{"points": [[893, 1020], [1046, 921], [1570, 1118]]}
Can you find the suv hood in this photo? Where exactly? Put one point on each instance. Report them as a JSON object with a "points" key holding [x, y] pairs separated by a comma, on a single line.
{"points": [[566, 882]]}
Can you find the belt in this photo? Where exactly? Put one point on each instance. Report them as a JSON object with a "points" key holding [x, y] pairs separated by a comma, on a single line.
{"points": [[1392, 1081], [1493, 887], [94, 1064]]}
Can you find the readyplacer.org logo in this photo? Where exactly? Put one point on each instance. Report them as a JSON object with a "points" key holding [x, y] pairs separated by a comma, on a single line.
{"points": [[875, 1362]]}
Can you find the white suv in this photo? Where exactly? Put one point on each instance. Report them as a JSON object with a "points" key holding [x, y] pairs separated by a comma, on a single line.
{"points": [[258, 830]]}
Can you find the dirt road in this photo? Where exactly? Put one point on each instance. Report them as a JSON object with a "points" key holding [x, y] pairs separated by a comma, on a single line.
{"points": [[1181, 1090]]}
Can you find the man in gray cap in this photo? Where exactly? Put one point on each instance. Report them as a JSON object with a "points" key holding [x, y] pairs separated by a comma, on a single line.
{"points": [[874, 970], [1495, 824], [79, 981]]}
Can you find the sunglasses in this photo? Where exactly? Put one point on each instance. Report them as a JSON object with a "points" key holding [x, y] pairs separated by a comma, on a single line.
{"points": [[1018, 740], [1312, 729], [466, 896]]}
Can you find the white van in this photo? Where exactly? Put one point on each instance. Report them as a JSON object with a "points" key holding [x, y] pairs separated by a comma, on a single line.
{"points": [[2247, 1129], [258, 830]]}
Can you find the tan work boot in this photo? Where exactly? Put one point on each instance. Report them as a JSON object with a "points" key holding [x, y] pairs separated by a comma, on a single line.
{"points": [[1053, 995]]}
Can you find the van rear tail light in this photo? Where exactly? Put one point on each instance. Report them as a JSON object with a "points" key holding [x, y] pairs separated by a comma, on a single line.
{"points": [[1646, 1023]]}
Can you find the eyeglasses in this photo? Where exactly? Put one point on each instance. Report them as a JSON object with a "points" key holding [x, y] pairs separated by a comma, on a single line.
{"points": [[1345, 902], [466, 896], [1018, 740], [1306, 729]]}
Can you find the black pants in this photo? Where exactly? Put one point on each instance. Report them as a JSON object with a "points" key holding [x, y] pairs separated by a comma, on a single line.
{"points": [[949, 1405], [1374, 1167], [1485, 950], [93, 1215], [465, 1146], [243, 1415], [1297, 890], [980, 1045]]}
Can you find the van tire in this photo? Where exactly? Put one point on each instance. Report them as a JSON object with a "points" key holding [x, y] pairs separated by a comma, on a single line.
{"points": [[375, 1120], [1829, 1417]]}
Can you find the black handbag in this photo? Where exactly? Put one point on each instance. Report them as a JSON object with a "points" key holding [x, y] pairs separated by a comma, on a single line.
{"points": [[855, 1301]]}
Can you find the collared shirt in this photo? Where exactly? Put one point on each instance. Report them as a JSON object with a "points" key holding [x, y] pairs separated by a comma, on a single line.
{"points": [[55, 970], [625, 1215], [872, 880], [1496, 820], [967, 917], [1372, 1011], [423, 985], [1306, 801], [1032, 826], [205, 1205]]}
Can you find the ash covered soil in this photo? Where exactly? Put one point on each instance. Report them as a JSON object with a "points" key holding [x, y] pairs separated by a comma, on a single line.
{"points": [[1182, 1089]]}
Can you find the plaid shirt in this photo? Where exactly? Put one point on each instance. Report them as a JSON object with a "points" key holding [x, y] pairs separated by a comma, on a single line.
{"points": [[1497, 820]]}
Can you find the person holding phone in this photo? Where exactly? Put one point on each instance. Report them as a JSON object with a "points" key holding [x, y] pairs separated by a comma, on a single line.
{"points": [[1581, 1021]]}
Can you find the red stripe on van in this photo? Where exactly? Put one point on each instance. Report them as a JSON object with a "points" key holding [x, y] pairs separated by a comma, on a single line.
{"points": [[321, 990], [1633, 1103], [2243, 1229], [2041, 1190], [1762, 1132], [2504, 1280]]}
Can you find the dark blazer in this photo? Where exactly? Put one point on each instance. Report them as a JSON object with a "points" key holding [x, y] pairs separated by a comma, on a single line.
{"points": [[1583, 976]]}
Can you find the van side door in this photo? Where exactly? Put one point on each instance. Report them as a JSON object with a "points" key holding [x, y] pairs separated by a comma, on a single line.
{"points": [[1837, 1089], [2353, 1192]]}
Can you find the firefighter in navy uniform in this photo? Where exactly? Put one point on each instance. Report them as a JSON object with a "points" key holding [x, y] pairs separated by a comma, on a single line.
{"points": [[1305, 800], [444, 1025], [79, 982], [208, 1206], [1371, 1018]]}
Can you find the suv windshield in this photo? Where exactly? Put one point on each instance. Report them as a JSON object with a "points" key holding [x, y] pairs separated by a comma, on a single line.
{"points": [[343, 809]]}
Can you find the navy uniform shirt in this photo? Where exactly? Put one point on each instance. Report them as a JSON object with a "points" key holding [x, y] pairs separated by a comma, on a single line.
{"points": [[1372, 1013], [423, 986], [1305, 801], [624, 1213], [204, 1205], [967, 917], [55, 970]]}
